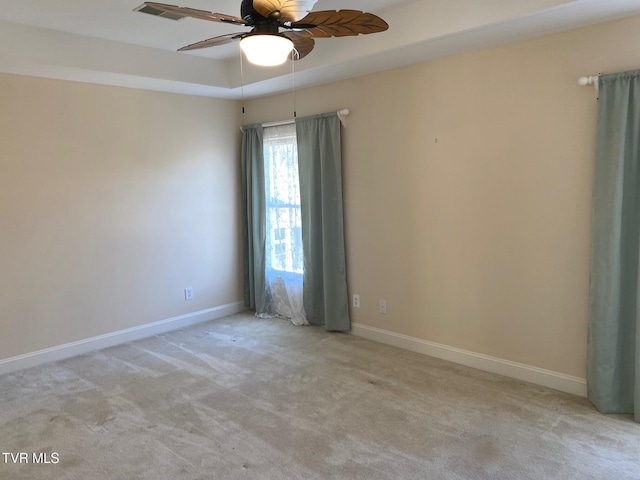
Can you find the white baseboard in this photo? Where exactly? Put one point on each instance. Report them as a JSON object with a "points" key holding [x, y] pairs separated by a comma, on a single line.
{"points": [[60, 352], [519, 371]]}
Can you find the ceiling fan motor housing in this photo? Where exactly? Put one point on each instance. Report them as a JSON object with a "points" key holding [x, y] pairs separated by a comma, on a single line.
{"points": [[248, 13], [260, 24]]}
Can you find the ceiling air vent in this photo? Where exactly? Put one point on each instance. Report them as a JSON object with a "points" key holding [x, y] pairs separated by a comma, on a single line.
{"points": [[158, 13]]}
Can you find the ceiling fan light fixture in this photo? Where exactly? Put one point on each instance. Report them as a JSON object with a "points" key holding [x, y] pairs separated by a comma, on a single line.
{"points": [[266, 50]]}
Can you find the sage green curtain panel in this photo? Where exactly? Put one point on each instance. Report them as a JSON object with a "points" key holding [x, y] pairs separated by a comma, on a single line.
{"points": [[254, 222], [320, 169], [613, 366]]}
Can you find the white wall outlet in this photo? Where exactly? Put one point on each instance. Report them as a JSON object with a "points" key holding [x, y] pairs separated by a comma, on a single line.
{"points": [[382, 307], [188, 293], [356, 300]]}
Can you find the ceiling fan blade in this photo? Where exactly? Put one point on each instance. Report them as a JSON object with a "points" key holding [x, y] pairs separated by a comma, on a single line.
{"points": [[340, 23], [290, 10], [194, 13], [214, 42], [301, 42]]}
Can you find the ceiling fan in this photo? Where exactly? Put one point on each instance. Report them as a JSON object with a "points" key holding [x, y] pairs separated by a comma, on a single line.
{"points": [[265, 44]]}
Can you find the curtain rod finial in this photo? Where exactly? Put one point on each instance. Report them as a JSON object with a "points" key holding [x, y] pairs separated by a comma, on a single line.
{"points": [[342, 114], [584, 81]]}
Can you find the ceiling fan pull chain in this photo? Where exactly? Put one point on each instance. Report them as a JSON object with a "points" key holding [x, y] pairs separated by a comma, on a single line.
{"points": [[293, 81], [241, 80]]}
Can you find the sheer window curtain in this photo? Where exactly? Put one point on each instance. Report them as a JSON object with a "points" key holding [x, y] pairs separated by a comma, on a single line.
{"points": [[613, 353], [284, 258]]}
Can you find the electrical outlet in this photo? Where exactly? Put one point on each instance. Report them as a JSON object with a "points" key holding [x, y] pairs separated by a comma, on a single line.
{"points": [[356, 300], [382, 307], [188, 293]]}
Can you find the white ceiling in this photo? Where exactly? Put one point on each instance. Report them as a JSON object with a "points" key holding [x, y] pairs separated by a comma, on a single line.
{"points": [[107, 42]]}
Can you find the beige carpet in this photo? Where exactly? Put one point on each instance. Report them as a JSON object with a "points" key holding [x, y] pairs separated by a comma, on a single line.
{"points": [[245, 398]]}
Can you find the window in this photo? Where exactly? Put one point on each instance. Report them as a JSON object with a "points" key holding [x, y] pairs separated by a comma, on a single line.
{"points": [[283, 221]]}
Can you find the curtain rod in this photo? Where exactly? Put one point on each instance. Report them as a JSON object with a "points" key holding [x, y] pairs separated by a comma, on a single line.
{"points": [[341, 115], [593, 80]]}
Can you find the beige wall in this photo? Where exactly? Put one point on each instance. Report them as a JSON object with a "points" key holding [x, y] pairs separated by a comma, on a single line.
{"points": [[112, 201], [467, 185]]}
